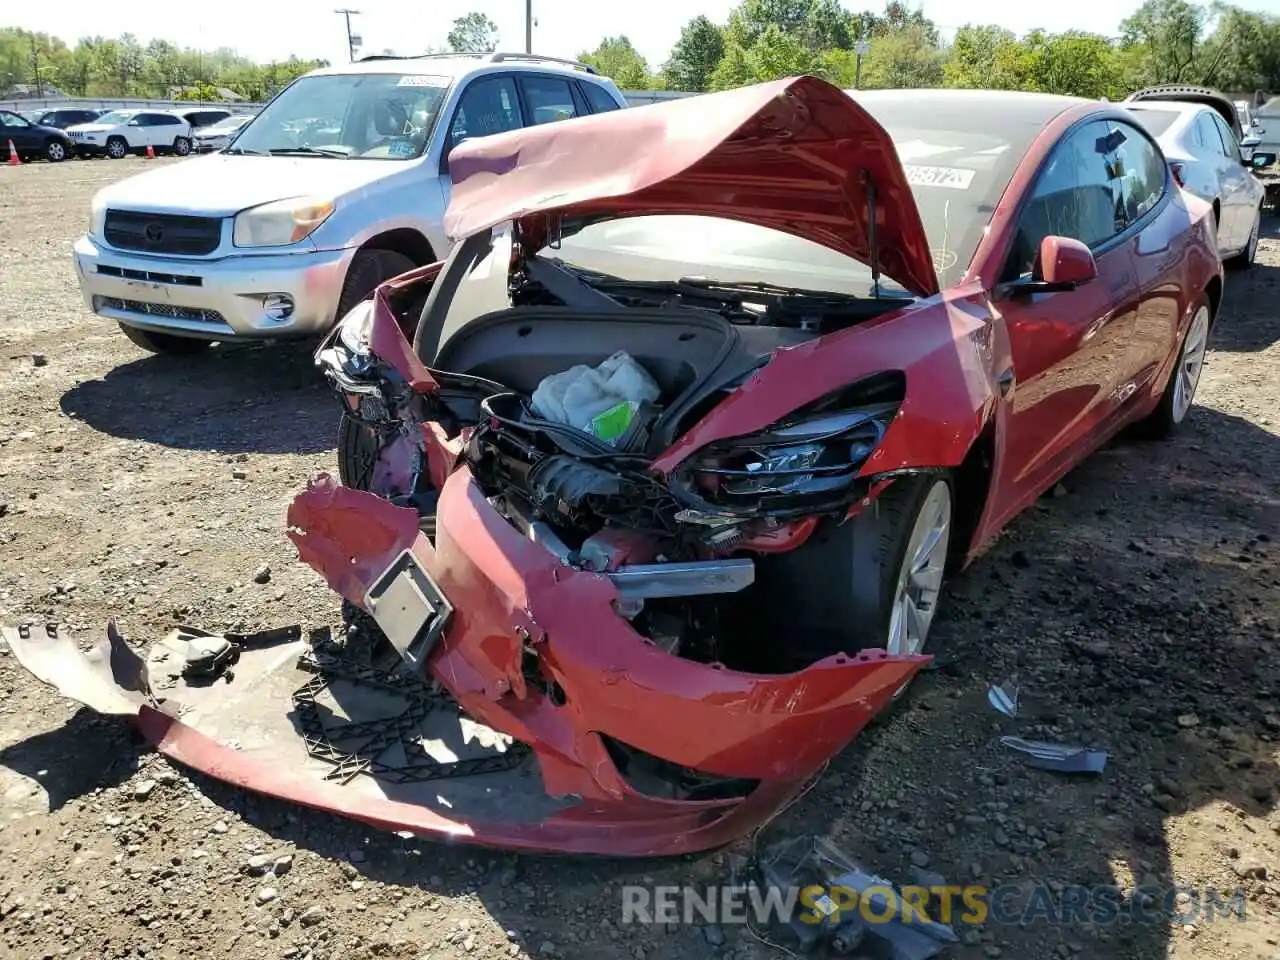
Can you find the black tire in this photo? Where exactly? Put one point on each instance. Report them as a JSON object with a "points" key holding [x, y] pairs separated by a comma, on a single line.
{"points": [[117, 148], [1163, 422], [357, 444], [840, 586], [55, 151], [164, 343], [368, 269], [181, 146], [1244, 259], [357, 452]]}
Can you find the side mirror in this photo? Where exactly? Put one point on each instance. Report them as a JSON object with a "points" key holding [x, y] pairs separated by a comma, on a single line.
{"points": [[1260, 161], [1063, 264]]}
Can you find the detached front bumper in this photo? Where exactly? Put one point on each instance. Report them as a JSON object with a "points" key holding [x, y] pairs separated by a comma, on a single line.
{"points": [[533, 651], [221, 299]]}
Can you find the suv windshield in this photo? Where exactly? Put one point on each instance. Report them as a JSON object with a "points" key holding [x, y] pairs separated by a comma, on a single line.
{"points": [[116, 116], [377, 116]]}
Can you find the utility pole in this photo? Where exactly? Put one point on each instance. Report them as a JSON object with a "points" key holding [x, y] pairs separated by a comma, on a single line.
{"points": [[352, 40], [528, 26], [35, 68], [860, 49]]}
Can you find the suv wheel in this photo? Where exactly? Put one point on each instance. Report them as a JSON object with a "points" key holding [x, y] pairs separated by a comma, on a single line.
{"points": [[117, 147], [182, 146], [166, 343]]}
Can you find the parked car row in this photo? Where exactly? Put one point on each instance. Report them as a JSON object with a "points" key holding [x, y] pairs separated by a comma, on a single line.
{"points": [[58, 134], [1200, 133], [661, 428]]}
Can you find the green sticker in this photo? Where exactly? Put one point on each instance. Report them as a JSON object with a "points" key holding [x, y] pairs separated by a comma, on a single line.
{"points": [[613, 423]]}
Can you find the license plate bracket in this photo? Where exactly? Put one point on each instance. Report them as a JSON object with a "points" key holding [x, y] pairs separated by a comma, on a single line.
{"points": [[410, 609]]}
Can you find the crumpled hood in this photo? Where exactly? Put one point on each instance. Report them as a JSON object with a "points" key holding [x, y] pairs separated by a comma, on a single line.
{"points": [[221, 185], [798, 156]]}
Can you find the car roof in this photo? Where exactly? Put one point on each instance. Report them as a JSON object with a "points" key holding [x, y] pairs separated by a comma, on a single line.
{"points": [[992, 106], [1167, 106], [456, 66]]}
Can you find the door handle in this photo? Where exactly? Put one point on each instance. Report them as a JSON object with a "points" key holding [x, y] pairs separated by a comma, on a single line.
{"points": [[1005, 381]]}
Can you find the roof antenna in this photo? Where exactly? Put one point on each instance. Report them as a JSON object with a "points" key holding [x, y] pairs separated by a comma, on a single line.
{"points": [[874, 250]]}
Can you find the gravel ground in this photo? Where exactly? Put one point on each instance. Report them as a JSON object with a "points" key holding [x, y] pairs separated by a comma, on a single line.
{"points": [[1138, 605]]}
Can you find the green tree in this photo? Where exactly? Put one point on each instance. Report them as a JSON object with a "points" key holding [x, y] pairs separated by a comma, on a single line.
{"points": [[749, 20], [777, 54], [906, 56], [828, 26], [1079, 64], [617, 58], [1168, 31], [473, 33], [732, 70], [695, 55], [971, 61]]}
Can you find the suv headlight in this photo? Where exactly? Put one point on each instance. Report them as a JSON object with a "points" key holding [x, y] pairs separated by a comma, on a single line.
{"points": [[814, 455], [281, 222]]}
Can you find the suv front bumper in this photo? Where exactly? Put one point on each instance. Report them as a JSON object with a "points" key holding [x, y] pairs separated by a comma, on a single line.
{"points": [[212, 299]]}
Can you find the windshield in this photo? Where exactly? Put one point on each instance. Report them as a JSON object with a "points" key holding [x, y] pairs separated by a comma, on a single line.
{"points": [[378, 116], [116, 116], [1156, 122]]}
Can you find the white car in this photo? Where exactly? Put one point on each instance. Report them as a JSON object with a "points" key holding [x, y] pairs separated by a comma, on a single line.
{"points": [[1197, 130], [121, 132], [217, 135], [339, 183]]}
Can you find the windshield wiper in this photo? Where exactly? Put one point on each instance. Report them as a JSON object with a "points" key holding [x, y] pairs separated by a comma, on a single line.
{"points": [[310, 152], [702, 284], [242, 152]]}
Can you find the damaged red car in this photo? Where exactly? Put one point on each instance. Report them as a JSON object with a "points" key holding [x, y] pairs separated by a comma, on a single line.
{"points": [[649, 489]]}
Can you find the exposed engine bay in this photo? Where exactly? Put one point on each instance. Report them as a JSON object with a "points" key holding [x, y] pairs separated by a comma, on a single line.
{"points": [[676, 546]]}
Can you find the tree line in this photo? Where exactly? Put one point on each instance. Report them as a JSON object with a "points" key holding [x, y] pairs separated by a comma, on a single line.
{"points": [[123, 67], [1164, 41]]}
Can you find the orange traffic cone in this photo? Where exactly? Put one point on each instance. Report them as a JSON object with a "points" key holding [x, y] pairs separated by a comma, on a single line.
{"points": [[151, 152], [13, 155]]}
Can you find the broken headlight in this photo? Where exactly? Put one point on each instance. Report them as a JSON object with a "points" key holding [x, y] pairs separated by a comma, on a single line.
{"points": [[813, 455], [354, 328]]}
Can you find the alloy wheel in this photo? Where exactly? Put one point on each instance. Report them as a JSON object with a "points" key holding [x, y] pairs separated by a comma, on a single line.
{"points": [[115, 150], [1190, 363], [920, 577], [56, 152]]}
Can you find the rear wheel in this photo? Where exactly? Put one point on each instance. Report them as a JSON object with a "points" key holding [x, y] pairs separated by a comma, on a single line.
{"points": [[1244, 259], [117, 147], [1180, 389], [54, 151], [164, 342]]}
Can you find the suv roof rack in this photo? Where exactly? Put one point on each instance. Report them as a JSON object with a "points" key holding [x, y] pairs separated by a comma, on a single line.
{"points": [[498, 57], [540, 58]]}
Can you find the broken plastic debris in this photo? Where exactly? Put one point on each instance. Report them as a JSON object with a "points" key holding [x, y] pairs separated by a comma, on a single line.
{"points": [[1059, 757], [805, 861], [1004, 697]]}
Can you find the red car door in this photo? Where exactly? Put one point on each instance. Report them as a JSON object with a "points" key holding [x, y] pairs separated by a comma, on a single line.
{"points": [[1071, 349]]}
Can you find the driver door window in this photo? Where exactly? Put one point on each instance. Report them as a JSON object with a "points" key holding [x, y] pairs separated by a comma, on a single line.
{"points": [[1073, 198], [489, 105]]}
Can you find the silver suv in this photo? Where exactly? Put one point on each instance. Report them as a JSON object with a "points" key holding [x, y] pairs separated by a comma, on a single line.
{"points": [[340, 183]]}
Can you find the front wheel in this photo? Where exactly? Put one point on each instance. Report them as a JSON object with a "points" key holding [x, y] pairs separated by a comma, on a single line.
{"points": [[117, 147], [55, 152], [165, 343], [357, 453], [181, 146]]}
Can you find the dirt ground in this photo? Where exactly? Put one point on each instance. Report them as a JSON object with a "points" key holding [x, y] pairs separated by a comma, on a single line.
{"points": [[1139, 606]]}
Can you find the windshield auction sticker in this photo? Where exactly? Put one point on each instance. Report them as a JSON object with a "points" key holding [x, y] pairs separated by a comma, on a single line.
{"points": [[953, 178]]}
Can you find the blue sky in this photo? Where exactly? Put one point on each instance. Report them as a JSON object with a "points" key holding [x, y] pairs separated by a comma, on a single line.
{"points": [[273, 29]]}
